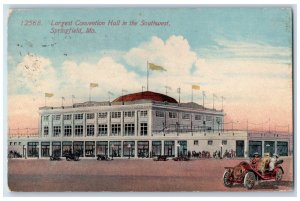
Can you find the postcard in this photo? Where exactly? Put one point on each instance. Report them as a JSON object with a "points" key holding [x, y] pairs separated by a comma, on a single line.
{"points": [[150, 99]]}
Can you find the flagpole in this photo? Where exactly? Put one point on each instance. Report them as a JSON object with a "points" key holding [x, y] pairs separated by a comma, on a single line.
{"points": [[72, 100], [45, 100], [203, 94], [213, 101], [147, 76], [192, 94], [90, 94]]}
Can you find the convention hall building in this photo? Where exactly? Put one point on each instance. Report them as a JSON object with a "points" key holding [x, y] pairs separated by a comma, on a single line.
{"points": [[141, 125]]}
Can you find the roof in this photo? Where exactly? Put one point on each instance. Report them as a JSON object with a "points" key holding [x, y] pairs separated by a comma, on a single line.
{"points": [[146, 95]]}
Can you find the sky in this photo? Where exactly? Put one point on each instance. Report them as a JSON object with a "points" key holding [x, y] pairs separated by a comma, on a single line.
{"points": [[242, 54]]}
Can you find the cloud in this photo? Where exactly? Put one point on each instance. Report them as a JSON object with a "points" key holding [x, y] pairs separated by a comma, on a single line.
{"points": [[254, 89], [34, 74], [247, 50], [174, 54]]}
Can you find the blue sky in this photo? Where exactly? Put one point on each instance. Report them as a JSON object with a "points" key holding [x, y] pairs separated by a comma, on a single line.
{"points": [[200, 26], [243, 54]]}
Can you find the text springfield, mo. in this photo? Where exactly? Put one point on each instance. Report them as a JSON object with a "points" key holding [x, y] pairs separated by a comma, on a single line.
{"points": [[79, 26]]}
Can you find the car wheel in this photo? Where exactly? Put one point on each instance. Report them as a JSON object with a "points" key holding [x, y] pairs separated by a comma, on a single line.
{"points": [[278, 176], [249, 180], [226, 179]]}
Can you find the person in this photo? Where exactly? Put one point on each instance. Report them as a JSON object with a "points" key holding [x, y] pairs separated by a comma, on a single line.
{"points": [[256, 159], [272, 162], [265, 160]]}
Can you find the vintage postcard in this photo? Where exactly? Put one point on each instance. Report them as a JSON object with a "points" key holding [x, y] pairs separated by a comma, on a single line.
{"points": [[150, 99]]}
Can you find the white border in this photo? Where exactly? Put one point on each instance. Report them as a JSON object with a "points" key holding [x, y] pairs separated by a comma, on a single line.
{"points": [[87, 3]]}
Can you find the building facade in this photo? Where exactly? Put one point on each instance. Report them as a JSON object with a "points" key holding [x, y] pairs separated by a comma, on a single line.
{"points": [[145, 124]]}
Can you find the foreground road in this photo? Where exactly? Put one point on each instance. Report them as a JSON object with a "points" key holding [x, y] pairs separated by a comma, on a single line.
{"points": [[143, 175]]}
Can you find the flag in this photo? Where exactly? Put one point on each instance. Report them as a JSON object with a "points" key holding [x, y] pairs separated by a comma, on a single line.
{"points": [[92, 85], [178, 90], [203, 93], [124, 91], [110, 93], [215, 96], [167, 87], [156, 67], [63, 98], [73, 96], [48, 95], [195, 87]]}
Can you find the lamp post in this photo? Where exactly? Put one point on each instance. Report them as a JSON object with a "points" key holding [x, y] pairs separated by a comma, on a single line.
{"points": [[129, 147]]}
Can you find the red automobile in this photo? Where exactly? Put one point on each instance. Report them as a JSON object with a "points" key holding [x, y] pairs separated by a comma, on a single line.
{"points": [[248, 173]]}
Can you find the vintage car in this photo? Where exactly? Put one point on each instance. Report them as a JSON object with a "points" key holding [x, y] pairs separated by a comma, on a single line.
{"points": [[247, 173], [72, 156], [160, 158], [103, 158], [181, 158]]}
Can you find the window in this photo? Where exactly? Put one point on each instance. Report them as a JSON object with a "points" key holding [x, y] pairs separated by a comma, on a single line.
{"points": [[129, 129], [224, 142], [209, 142], [67, 117], [185, 116], [102, 115], [172, 115], [78, 116], [68, 130], [78, 130], [144, 129], [115, 129], [208, 118], [10, 143], [90, 129], [46, 118], [102, 129], [15, 143], [56, 131], [144, 113], [56, 117], [19, 143], [46, 130], [129, 114], [219, 119], [115, 115], [198, 117], [196, 142], [160, 113], [90, 116]]}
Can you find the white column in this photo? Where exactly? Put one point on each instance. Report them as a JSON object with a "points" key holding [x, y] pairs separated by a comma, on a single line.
{"points": [[62, 125], [72, 125], [162, 147], [263, 148], [96, 126], [149, 122], [122, 123], [176, 151], [122, 148], [84, 124], [50, 151], [246, 149], [275, 151], [136, 122], [136, 149], [50, 123], [108, 124], [150, 147]]}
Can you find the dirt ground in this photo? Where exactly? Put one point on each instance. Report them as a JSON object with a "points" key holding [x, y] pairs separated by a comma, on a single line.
{"points": [[138, 175]]}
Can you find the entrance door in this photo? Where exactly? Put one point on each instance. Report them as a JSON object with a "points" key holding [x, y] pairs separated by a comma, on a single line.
{"points": [[240, 148]]}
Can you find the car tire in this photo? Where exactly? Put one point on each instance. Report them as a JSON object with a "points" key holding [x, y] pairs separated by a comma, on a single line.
{"points": [[249, 180], [226, 177]]}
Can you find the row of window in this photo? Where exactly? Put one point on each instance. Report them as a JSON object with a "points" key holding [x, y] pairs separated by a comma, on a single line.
{"points": [[173, 115], [92, 115], [102, 130], [210, 142]]}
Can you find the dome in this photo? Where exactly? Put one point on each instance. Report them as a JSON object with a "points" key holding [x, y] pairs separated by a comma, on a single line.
{"points": [[146, 95]]}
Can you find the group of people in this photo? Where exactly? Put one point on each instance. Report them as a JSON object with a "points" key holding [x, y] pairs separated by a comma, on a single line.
{"points": [[260, 163], [203, 154]]}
